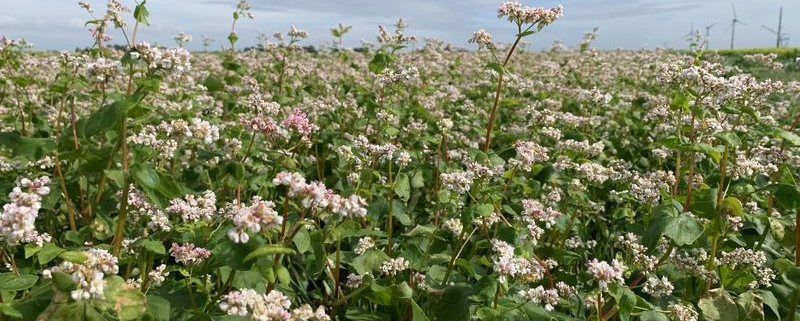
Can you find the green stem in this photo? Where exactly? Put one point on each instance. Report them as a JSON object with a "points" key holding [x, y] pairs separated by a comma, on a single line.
{"points": [[123, 207], [498, 90], [452, 263]]}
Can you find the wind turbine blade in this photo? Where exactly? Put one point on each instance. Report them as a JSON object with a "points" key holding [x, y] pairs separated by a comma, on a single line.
{"points": [[733, 7]]}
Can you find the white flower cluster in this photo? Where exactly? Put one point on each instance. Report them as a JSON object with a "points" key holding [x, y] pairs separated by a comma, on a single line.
{"points": [[257, 217], [103, 69], [582, 147], [394, 266], [203, 130], [658, 287], [273, 306], [647, 188], [193, 208], [364, 244], [89, 275], [518, 14], [683, 312], [454, 226], [316, 195], [605, 273], [459, 183], [507, 265], [388, 77], [176, 60], [374, 151], [756, 260], [548, 297], [17, 222], [631, 245], [528, 154], [140, 208]]}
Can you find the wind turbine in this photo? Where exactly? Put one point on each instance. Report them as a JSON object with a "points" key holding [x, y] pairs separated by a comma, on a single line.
{"points": [[708, 28], [689, 35], [781, 38], [733, 23]]}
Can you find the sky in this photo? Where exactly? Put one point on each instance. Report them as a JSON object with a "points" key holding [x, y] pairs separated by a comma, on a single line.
{"points": [[626, 24]]}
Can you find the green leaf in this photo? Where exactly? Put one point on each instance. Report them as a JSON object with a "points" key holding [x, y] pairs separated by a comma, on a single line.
{"points": [[660, 216], [787, 136], [786, 195], [683, 230], [729, 138], [485, 209], [236, 170], [791, 277], [525, 33], [127, 303], [49, 252], [8, 310], [145, 175], [302, 241], [400, 214], [168, 187], [369, 261], [402, 187], [652, 315], [158, 307], [718, 305], [252, 279], [154, 246], [141, 14], [704, 202], [705, 148], [62, 282], [496, 67], [752, 306], [33, 148], [626, 300], [379, 62], [732, 206], [73, 256], [454, 304], [117, 176], [12, 282], [417, 314], [268, 249], [770, 301], [283, 275], [418, 180], [679, 102], [106, 117]]}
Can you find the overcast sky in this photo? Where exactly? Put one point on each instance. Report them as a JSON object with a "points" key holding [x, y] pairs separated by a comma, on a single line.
{"points": [[630, 24]]}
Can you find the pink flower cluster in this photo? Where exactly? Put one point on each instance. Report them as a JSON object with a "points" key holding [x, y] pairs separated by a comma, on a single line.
{"points": [[299, 122], [316, 195], [188, 254], [605, 273]]}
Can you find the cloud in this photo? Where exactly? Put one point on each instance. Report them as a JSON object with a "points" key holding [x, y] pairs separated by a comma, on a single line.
{"points": [[6, 20]]}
